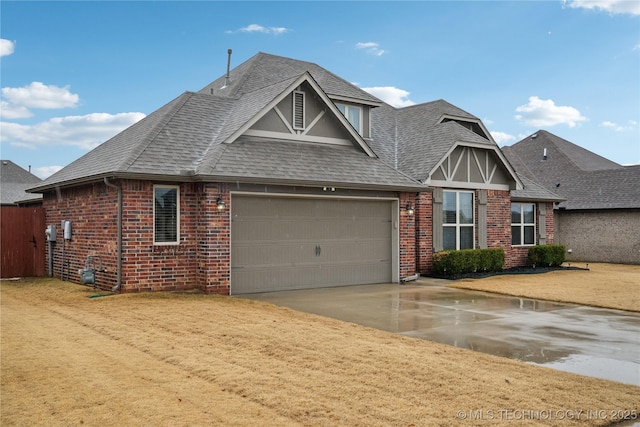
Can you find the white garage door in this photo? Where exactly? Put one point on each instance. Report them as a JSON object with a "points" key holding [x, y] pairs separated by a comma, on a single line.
{"points": [[280, 243]]}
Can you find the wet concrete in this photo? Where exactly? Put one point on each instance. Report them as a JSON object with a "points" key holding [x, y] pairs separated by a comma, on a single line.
{"points": [[585, 340]]}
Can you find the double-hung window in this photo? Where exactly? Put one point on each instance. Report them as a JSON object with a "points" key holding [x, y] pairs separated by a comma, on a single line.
{"points": [[523, 224], [458, 220], [166, 214], [353, 114]]}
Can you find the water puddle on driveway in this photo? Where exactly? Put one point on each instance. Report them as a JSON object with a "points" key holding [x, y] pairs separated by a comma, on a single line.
{"points": [[585, 340]]}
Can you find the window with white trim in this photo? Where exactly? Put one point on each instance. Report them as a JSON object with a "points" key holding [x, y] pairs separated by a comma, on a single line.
{"points": [[353, 114], [523, 224], [166, 214], [458, 230]]}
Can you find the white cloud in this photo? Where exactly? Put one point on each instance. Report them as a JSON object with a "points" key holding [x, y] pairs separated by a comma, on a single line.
{"points": [[371, 48], [502, 138], [46, 171], [544, 113], [619, 128], [256, 28], [6, 47], [614, 7], [12, 112], [391, 95], [85, 132], [39, 95]]}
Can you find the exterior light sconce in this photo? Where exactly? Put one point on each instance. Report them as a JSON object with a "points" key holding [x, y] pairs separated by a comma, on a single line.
{"points": [[220, 204], [410, 209]]}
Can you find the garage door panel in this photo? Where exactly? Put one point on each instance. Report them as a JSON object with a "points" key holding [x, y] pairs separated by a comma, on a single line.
{"points": [[289, 243], [272, 254]]}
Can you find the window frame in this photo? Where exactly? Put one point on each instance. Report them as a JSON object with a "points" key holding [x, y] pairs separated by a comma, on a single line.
{"points": [[345, 113], [458, 225], [177, 215], [522, 224]]}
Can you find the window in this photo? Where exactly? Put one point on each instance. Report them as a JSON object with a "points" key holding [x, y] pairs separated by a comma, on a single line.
{"points": [[458, 220], [523, 224], [353, 114], [166, 219]]}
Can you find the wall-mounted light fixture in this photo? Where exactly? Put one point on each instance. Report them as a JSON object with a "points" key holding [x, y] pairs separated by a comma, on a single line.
{"points": [[220, 204], [410, 209]]}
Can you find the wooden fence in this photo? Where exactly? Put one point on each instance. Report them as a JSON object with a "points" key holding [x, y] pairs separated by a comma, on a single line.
{"points": [[22, 241]]}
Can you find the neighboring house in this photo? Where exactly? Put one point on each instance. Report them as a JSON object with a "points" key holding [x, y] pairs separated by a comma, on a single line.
{"points": [[282, 175], [600, 219], [14, 180]]}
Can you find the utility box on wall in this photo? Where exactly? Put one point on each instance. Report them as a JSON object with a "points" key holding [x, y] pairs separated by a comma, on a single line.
{"points": [[66, 229], [50, 232]]}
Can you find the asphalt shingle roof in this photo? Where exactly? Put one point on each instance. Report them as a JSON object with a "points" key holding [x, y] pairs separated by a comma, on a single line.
{"points": [[14, 180], [263, 70], [191, 137], [585, 179]]}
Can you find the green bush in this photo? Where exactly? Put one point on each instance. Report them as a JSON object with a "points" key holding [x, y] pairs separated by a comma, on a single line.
{"points": [[546, 255], [451, 263]]}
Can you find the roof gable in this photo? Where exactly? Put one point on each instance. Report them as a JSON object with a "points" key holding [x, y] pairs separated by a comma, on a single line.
{"points": [[584, 179], [267, 99]]}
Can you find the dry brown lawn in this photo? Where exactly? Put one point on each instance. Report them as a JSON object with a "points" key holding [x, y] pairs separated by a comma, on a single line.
{"points": [[602, 285], [201, 360]]}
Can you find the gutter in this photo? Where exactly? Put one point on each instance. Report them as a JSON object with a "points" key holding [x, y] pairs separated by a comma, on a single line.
{"points": [[119, 234]]}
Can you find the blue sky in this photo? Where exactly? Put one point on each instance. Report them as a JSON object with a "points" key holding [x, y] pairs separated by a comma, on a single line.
{"points": [[73, 74]]}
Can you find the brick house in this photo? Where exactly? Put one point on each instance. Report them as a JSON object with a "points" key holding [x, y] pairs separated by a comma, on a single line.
{"points": [[282, 175], [599, 218]]}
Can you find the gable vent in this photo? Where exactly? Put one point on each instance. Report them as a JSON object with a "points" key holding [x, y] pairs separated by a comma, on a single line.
{"points": [[298, 110]]}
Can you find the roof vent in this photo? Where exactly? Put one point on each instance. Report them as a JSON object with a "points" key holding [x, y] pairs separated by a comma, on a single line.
{"points": [[227, 79], [534, 136], [544, 154]]}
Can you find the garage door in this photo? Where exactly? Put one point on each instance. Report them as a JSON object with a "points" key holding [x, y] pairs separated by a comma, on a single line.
{"points": [[280, 243]]}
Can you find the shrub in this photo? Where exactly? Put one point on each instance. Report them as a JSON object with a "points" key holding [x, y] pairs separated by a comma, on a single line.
{"points": [[451, 263], [546, 255]]}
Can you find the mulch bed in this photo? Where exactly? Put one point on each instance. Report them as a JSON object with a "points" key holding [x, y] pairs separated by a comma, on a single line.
{"points": [[513, 270]]}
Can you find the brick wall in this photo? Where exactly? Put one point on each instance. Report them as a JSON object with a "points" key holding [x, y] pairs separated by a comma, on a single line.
{"points": [[214, 240], [499, 223], [424, 235], [498, 229], [201, 260], [93, 215], [600, 235], [407, 236]]}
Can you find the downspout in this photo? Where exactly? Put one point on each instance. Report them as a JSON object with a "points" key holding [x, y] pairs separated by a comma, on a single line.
{"points": [[119, 235]]}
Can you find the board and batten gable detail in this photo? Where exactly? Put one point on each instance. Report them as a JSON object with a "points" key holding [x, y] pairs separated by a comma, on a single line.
{"points": [[281, 107], [302, 116], [472, 168]]}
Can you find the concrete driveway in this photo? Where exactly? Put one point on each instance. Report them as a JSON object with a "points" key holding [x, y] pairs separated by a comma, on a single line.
{"points": [[590, 341]]}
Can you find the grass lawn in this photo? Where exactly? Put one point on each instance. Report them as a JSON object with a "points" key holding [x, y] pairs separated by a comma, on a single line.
{"points": [[191, 359], [602, 285]]}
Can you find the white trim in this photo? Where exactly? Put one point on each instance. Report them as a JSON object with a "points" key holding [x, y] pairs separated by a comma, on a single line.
{"points": [[306, 77], [280, 114], [177, 241], [458, 224], [298, 137], [348, 107], [523, 224], [466, 185], [489, 147], [339, 98]]}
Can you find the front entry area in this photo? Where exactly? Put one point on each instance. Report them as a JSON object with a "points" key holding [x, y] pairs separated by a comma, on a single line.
{"points": [[283, 243]]}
